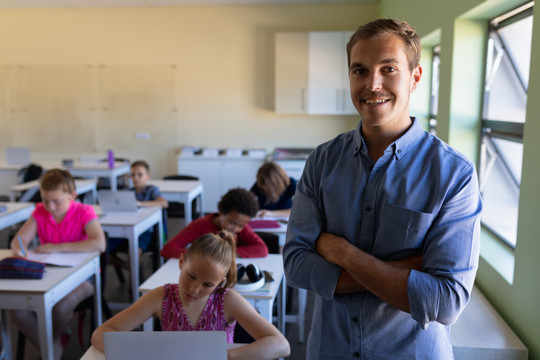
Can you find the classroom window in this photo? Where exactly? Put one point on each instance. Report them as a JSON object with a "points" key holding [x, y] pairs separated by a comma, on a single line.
{"points": [[504, 110], [434, 95]]}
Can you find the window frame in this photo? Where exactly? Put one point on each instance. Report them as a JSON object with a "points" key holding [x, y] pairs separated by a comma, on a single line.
{"points": [[500, 129]]}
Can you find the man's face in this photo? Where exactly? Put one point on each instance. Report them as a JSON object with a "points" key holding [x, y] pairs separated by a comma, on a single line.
{"points": [[381, 83]]}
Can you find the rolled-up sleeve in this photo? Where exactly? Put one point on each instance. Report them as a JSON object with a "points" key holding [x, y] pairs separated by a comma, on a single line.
{"points": [[442, 289]]}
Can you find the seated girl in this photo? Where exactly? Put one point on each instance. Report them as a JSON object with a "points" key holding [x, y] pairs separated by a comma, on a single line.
{"points": [[62, 225], [203, 300]]}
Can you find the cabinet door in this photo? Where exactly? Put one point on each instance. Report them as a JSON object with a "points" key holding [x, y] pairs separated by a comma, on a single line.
{"points": [[328, 91], [324, 72], [291, 72]]}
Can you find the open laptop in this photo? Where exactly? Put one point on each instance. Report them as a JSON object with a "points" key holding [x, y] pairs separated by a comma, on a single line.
{"points": [[114, 201], [17, 155], [185, 345]]}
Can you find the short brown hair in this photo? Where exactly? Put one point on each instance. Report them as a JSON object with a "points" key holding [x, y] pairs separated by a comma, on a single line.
{"points": [[272, 180], [57, 179], [376, 28], [141, 163]]}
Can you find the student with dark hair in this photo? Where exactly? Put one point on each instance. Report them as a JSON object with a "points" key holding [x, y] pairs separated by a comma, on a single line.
{"points": [[235, 210]]}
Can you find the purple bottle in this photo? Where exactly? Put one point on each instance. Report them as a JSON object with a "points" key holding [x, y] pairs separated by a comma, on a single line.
{"points": [[110, 158]]}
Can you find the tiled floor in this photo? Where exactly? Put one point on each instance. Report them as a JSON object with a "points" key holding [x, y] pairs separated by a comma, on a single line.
{"points": [[118, 292]]}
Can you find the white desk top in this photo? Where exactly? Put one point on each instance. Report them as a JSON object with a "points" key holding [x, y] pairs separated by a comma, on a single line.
{"points": [[93, 354], [53, 276], [273, 263], [77, 165], [80, 185], [175, 185], [15, 212], [128, 218]]}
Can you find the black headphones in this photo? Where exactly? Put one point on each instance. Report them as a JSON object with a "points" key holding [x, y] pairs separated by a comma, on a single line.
{"points": [[253, 272]]}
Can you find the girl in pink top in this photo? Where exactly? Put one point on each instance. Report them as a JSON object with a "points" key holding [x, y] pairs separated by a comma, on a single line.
{"points": [[62, 225], [203, 300]]}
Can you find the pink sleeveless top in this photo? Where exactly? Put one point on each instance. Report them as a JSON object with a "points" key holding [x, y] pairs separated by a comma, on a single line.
{"points": [[173, 317]]}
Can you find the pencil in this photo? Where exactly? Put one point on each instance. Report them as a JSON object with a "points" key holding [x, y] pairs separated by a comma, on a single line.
{"points": [[21, 246]]}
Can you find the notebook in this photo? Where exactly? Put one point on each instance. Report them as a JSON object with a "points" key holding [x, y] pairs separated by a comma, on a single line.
{"points": [[185, 345], [111, 201], [17, 155]]}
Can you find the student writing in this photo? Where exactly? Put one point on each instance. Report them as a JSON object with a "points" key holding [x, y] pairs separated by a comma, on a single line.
{"points": [[62, 225], [203, 301], [274, 190], [236, 208]]}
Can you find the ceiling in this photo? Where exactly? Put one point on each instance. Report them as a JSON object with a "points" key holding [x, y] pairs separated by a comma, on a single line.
{"points": [[103, 3]]}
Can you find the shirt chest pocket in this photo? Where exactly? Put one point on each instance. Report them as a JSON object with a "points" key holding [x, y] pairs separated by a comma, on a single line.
{"points": [[400, 231]]}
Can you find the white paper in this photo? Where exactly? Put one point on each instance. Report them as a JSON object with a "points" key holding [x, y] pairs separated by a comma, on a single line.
{"points": [[58, 259]]}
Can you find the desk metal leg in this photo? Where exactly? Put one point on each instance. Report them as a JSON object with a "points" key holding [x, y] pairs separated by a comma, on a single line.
{"points": [[161, 236], [134, 265], [114, 183], [97, 297], [282, 300], [188, 216], [5, 354], [302, 300], [43, 311]]}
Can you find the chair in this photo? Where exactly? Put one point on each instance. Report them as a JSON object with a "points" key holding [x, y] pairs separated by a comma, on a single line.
{"points": [[176, 209], [26, 174], [153, 250], [81, 309]]}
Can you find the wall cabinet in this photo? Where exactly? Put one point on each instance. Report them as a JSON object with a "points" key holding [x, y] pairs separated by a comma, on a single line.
{"points": [[220, 174], [312, 73]]}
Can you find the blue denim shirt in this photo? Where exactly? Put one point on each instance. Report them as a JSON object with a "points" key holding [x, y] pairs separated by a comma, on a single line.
{"points": [[422, 197]]}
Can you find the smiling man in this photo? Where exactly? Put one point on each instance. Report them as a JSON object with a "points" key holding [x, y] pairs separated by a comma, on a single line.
{"points": [[385, 223]]}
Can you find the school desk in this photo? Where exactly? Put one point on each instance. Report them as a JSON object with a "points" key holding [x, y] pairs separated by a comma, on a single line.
{"points": [[41, 295], [94, 354], [81, 187], [15, 212], [262, 300], [99, 169], [182, 191], [131, 225], [84, 169]]}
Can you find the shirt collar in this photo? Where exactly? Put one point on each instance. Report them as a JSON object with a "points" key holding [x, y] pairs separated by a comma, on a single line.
{"points": [[401, 146]]}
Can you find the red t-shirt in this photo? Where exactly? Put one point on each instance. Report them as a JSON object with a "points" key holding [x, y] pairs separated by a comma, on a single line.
{"points": [[248, 244]]}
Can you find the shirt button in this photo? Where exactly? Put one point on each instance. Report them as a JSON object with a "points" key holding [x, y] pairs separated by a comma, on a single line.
{"points": [[356, 354], [355, 319], [399, 151], [368, 208]]}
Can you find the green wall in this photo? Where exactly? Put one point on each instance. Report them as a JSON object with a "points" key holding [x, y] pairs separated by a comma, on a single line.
{"points": [[462, 25]]}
